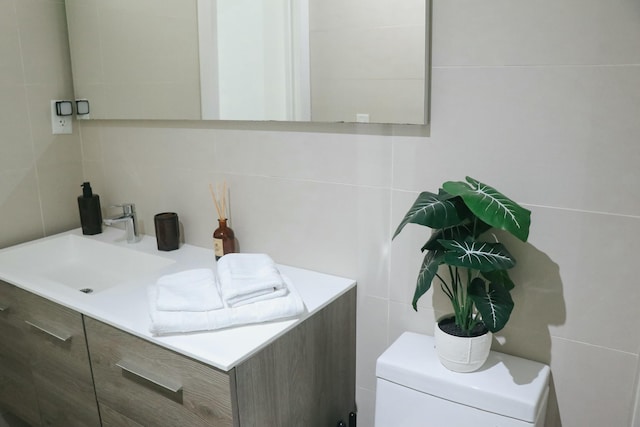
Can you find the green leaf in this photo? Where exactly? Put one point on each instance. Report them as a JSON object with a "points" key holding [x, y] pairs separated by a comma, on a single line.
{"points": [[433, 211], [457, 232], [494, 304], [481, 256], [500, 277], [492, 207], [428, 271]]}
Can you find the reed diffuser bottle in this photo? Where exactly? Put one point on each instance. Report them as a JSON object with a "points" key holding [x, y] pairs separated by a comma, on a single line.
{"points": [[224, 239]]}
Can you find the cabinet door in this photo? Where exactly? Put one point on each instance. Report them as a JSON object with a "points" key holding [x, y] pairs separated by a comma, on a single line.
{"points": [[60, 364], [17, 391], [153, 386]]}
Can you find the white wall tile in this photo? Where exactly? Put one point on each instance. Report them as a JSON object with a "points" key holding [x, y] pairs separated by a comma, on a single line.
{"points": [[339, 158], [504, 32], [17, 149], [44, 42], [558, 136], [19, 198], [371, 338], [588, 377]]}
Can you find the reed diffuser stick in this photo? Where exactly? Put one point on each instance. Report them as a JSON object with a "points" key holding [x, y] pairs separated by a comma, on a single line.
{"points": [[224, 198], [215, 202]]}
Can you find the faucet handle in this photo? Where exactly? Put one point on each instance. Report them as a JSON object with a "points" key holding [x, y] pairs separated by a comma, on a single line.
{"points": [[127, 208]]}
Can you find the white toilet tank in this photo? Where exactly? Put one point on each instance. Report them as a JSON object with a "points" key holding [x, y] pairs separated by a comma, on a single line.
{"points": [[415, 390]]}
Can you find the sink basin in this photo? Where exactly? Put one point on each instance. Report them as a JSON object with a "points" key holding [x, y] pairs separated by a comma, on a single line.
{"points": [[80, 263]]}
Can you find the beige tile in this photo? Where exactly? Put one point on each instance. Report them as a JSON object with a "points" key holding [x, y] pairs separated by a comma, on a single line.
{"points": [[155, 35], [587, 377], [84, 39], [403, 318], [59, 188], [11, 66], [553, 134], [152, 145], [332, 14], [17, 148], [339, 158], [280, 217], [593, 282], [503, 32], [372, 233], [43, 38], [21, 219], [385, 101], [371, 338], [370, 53], [91, 140], [365, 401]]}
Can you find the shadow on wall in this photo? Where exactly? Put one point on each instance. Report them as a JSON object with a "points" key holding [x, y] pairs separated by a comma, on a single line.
{"points": [[539, 303]]}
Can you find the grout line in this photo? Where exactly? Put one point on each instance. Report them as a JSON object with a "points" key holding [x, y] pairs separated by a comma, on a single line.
{"points": [[535, 66], [30, 121], [583, 211]]}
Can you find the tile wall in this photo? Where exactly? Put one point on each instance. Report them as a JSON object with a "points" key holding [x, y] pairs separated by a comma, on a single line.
{"points": [[540, 99], [40, 173]]}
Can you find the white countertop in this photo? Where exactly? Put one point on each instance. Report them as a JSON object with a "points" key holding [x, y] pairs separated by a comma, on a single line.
{"points": [[125, 306]]}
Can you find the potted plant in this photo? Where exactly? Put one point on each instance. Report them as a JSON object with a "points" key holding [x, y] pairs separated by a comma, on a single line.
{"points": [[475, 275]]}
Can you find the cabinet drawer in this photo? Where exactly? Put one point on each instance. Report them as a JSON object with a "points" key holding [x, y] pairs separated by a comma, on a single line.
{"points": [[151, 385], [60, 364], [9, 304], [17, 391]]}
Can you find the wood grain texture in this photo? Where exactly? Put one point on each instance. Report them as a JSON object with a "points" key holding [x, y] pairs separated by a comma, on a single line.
{"points": [[206, 391], [61, 370], [111, 418], [17, 389], [306, 377]]}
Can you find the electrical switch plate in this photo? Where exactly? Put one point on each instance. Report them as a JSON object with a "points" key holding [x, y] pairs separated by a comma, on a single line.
{"points": [[60, 124], [362, 118]]}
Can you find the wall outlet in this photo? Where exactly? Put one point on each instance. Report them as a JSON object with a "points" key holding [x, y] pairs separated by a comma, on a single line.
{"points": [[60, 124]]}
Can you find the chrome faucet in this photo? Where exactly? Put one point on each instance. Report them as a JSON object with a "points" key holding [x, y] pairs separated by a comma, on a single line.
{"points": [[129, 219]]}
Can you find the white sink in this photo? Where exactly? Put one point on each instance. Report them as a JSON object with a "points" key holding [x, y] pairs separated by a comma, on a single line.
{"points": [[80, 263]]}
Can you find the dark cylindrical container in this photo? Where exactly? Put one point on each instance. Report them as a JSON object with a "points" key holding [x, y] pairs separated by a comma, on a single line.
{"points": [[167, 231], [90, 212]]}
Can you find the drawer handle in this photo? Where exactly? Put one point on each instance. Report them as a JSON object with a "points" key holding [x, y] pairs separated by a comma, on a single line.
{"points": [[168, 385], [63, 338], [4, 308]]}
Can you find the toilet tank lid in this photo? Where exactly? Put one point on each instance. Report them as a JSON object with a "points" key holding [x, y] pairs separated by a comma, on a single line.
{"points": [[506, 385]]}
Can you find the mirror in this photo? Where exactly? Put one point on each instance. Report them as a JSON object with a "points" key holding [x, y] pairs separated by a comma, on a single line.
{"points": [[276, 60]]}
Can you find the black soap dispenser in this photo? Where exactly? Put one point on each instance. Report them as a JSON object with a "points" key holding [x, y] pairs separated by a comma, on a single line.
{"points": [[90, 212]]}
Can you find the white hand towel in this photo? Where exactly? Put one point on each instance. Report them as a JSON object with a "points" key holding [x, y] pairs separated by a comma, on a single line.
{"points": [[190, 290], [173, 322], [247, 276]]}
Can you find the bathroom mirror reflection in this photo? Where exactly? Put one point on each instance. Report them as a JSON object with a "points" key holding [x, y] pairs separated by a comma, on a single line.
{"points": [[282, 60]]}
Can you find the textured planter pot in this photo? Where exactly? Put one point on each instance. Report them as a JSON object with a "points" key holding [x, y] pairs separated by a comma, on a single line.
{"points": [[462, 354]]}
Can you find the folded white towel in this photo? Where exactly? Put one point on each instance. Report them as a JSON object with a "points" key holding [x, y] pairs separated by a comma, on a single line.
{"points": [[190, 290], [247, 278], [173, 322]]}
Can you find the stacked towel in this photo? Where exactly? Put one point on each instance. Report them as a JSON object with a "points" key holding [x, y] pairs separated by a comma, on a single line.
{"points": [[191, 290], [172, 322], [249, 289], [249, 278]]}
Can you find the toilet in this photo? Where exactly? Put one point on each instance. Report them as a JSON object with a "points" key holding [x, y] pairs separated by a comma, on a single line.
{"points": [[413, 389]]}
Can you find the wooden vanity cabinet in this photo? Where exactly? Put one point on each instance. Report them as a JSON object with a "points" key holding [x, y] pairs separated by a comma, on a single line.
{"points": [[153, 386], [59, 363], [304, 378], [17, 389]]}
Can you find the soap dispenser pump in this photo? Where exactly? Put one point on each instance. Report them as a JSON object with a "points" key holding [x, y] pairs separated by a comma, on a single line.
{"points": [[90, 212]]}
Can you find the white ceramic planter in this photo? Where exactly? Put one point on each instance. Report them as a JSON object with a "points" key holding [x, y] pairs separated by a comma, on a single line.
{"points": [[462, 354]]}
